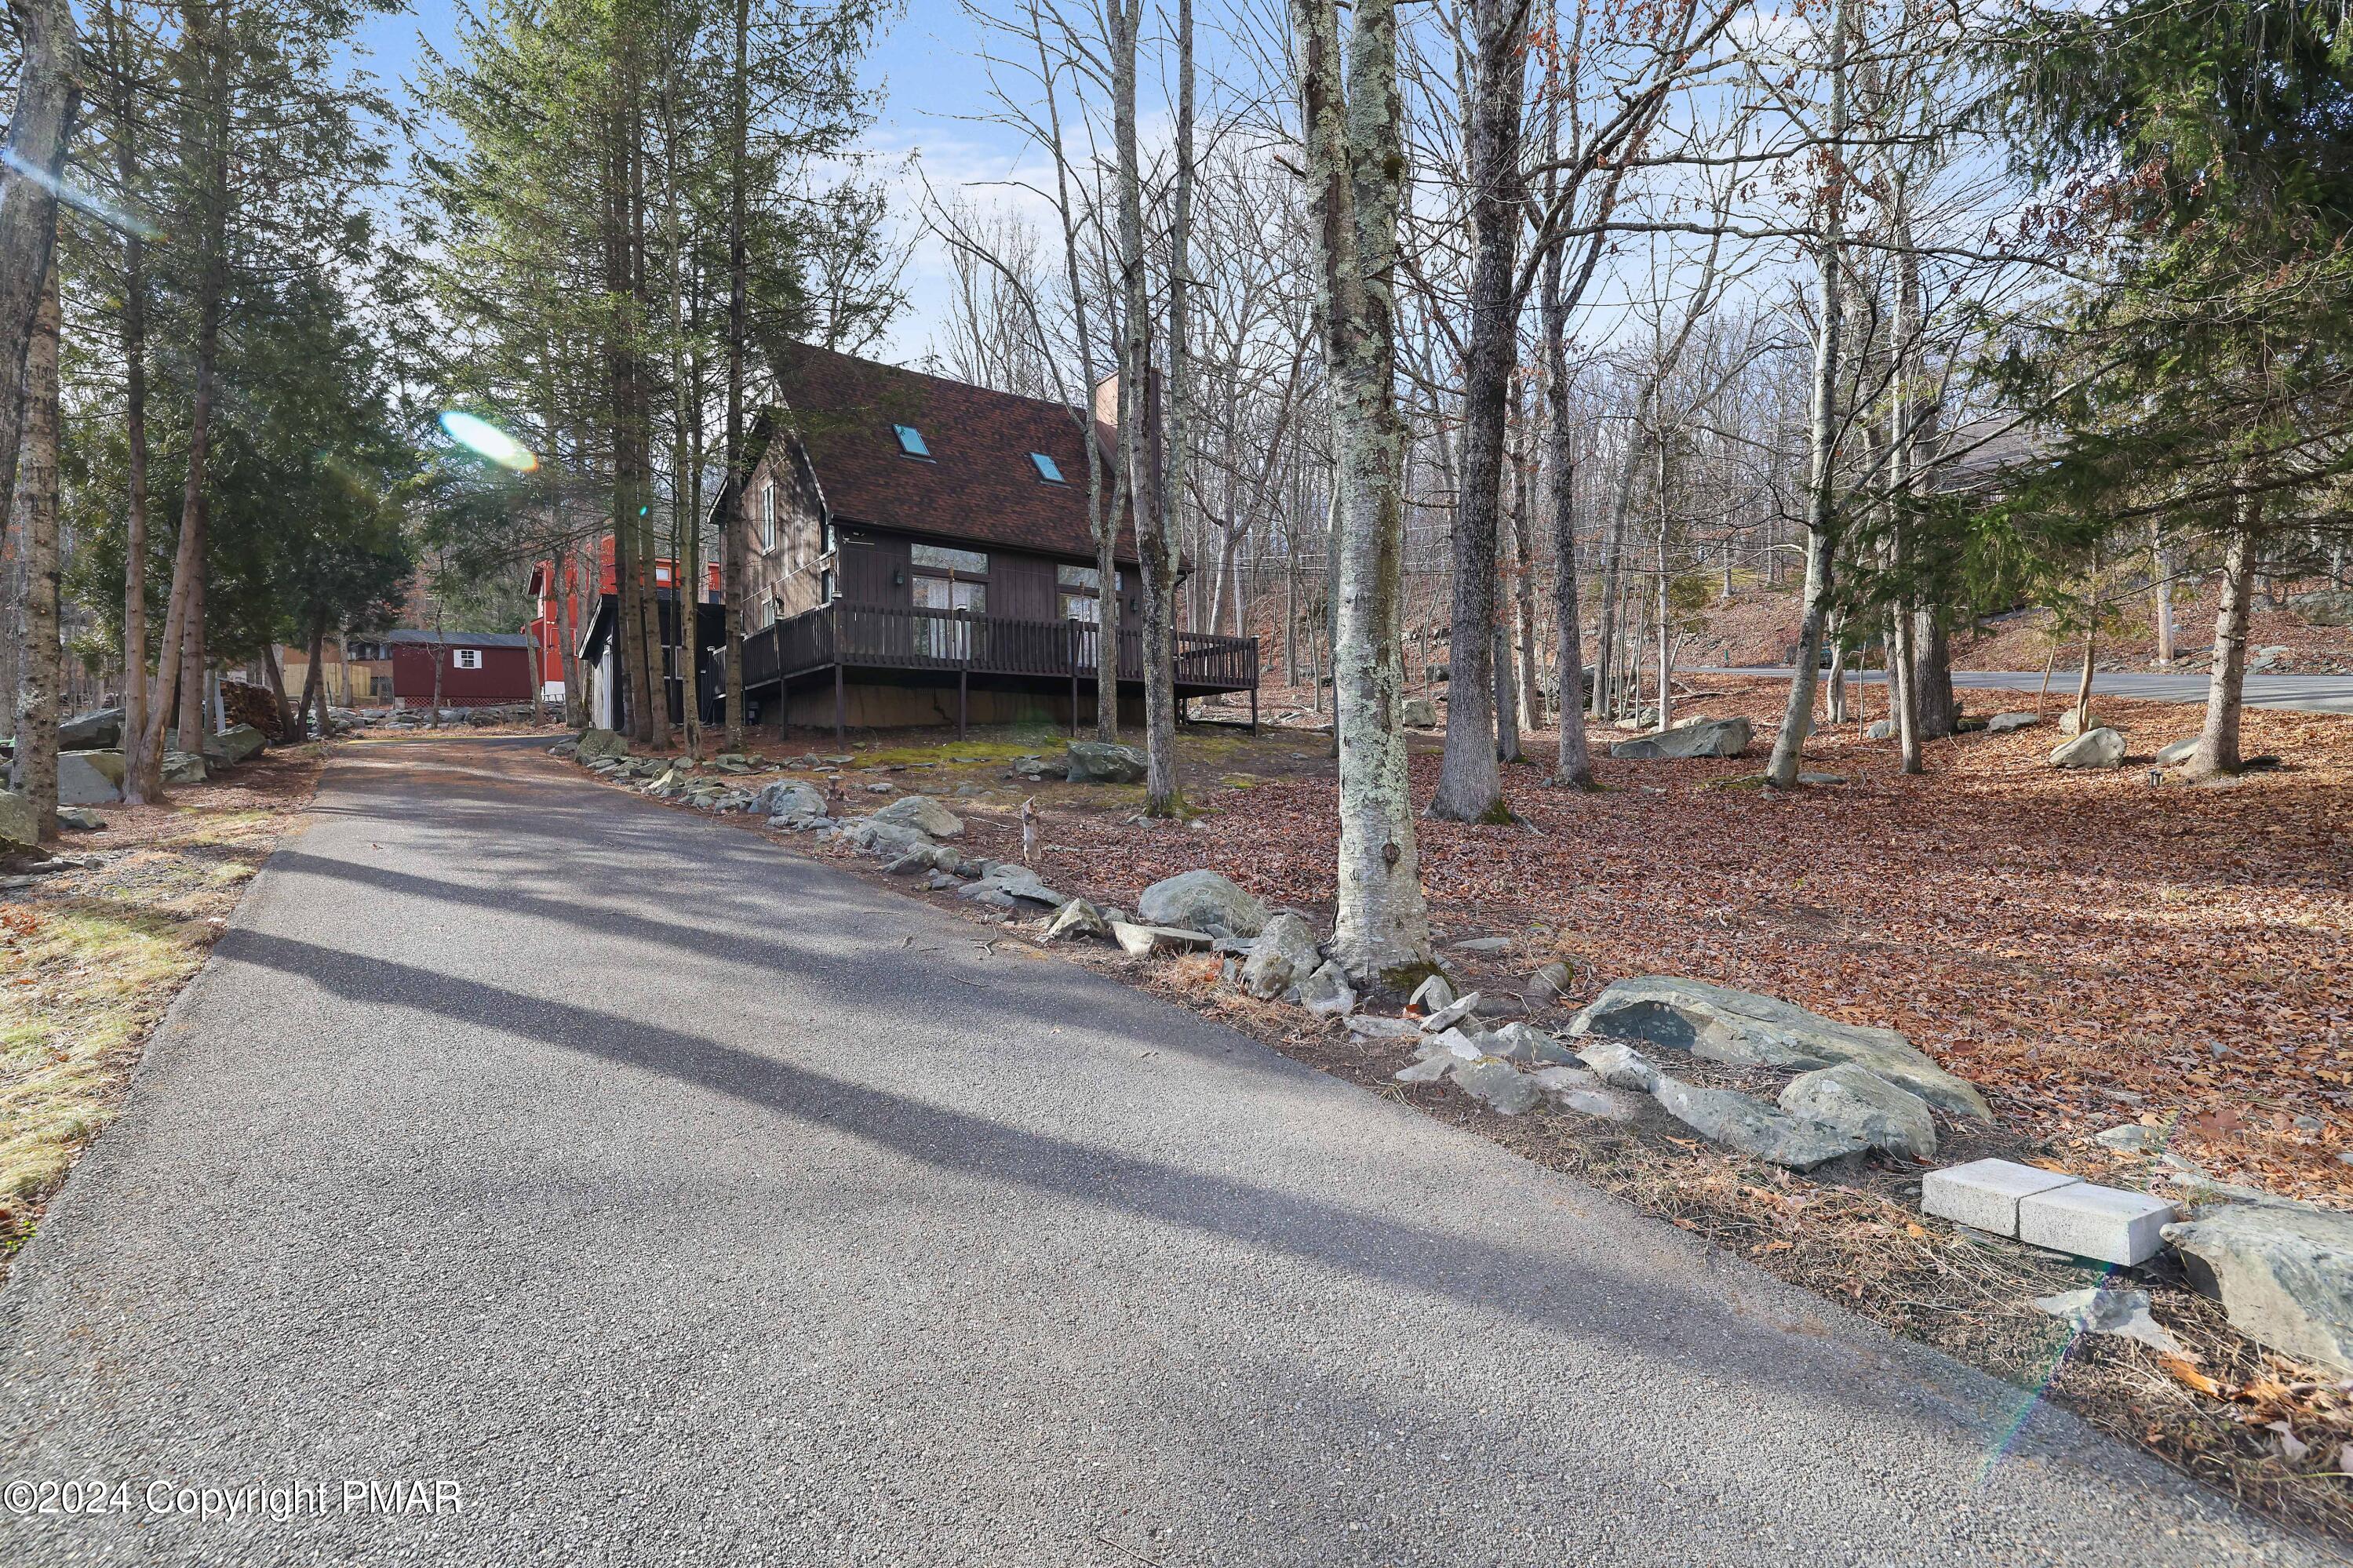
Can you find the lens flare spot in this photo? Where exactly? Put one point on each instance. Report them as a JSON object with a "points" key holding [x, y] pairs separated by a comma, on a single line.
{"points": [[486, 439]]}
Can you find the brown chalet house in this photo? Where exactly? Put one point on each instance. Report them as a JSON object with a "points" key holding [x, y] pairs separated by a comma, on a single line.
{"points": [[918, 552]]}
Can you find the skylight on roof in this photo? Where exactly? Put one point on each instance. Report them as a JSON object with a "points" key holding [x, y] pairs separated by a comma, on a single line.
{"points": [[1045, 468], [910, 441]]}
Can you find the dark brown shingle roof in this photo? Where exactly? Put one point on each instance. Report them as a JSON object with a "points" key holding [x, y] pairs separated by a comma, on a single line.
{"points": [[979, 483]]}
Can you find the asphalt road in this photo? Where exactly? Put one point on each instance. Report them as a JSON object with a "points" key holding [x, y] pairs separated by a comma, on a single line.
{"points": [[2303, 693], [677, 1200]]}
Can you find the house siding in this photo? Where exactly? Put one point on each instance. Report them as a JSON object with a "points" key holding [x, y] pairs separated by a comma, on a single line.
{"points": [[786, 574]]}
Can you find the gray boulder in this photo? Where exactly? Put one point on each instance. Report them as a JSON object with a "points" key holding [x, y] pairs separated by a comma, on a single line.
{"points": [[1880, 730], [1143, 942], [1453, 1013], [1373, 1027], [86, 778], [1327, 994], [924, 857], [1429, 1069], [2003, 723], [1620, 1066], [19, 825], [2284, 1275], [1420, 713], [1693, 738], [1497, 1084], [888, 839], [1741, 1027], [1099, 762], [2328, 607], [1571, 1088], [1433, 993], [185, 767], [1551, 984], [788, 798], [2069, 726], [2097, 1311], [80, 818], [1452, 1043], [2100, 748], [1199, 899], [238, 743], [2173, 753], [1560, 1080], [1076, 919], [595, 744], [1856, 1100], [924, 813], [2132, 1138], [1519, 1043], [1019, 882], [1742, 1122], [1283, 955], [101, 730]]}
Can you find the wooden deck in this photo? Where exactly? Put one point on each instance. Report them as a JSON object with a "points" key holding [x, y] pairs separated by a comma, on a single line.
{"points": [[957, 647]]}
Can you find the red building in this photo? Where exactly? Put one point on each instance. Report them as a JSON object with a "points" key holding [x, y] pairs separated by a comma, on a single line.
{"points": [[555, 621], [475, 669]]}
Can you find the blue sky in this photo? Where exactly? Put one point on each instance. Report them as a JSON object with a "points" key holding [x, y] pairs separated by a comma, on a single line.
{"points": [[922, 65]]}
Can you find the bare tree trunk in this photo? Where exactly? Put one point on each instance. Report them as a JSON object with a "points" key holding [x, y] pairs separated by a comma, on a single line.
{"points": [[33, 772], [1835, 700], [318, 688], [1572, 768], [1354, 155], [730, 535], [1821, 510], [39, 128], [206, 135], [2083, 681], [1932, 673], [1469, 789], [1523, 593], [193, 655], [315, 681], [286, 734], [134, 433]]}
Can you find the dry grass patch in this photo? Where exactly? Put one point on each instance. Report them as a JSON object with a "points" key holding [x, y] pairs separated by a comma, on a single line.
{"points": [[91, 958]]}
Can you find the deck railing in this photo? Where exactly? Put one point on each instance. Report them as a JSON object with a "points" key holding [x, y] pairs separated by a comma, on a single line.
{"points": [[875, 637]]}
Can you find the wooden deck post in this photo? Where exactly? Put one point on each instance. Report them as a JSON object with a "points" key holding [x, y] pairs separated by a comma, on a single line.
{"points": [[964, 667], [1070, 641], [839, 706], [1253, 708]]}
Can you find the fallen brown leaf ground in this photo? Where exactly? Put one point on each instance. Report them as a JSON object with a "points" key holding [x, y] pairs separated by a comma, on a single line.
{"points": [[2090, 948]]}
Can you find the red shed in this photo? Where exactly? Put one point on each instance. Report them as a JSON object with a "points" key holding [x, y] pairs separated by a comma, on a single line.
{"points": [[478, 670]]}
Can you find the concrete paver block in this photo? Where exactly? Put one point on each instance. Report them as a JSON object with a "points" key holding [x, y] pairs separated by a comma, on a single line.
{"points": [[1984, 1193], [2104, 1223]]}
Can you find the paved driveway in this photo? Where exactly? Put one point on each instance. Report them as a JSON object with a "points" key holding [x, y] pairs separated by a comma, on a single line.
{"points": [[656, 1196]]}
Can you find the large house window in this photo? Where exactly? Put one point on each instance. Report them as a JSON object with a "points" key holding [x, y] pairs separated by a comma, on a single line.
{"points": [[768, 515], [466, 658], [1081, 593], [940, 558]]}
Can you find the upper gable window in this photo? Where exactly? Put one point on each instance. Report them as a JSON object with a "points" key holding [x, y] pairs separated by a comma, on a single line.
{"points": [[1046, 467], [910, 441]]}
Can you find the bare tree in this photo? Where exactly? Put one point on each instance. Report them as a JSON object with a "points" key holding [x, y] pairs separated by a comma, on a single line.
{"points": [[1351, 124]]}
